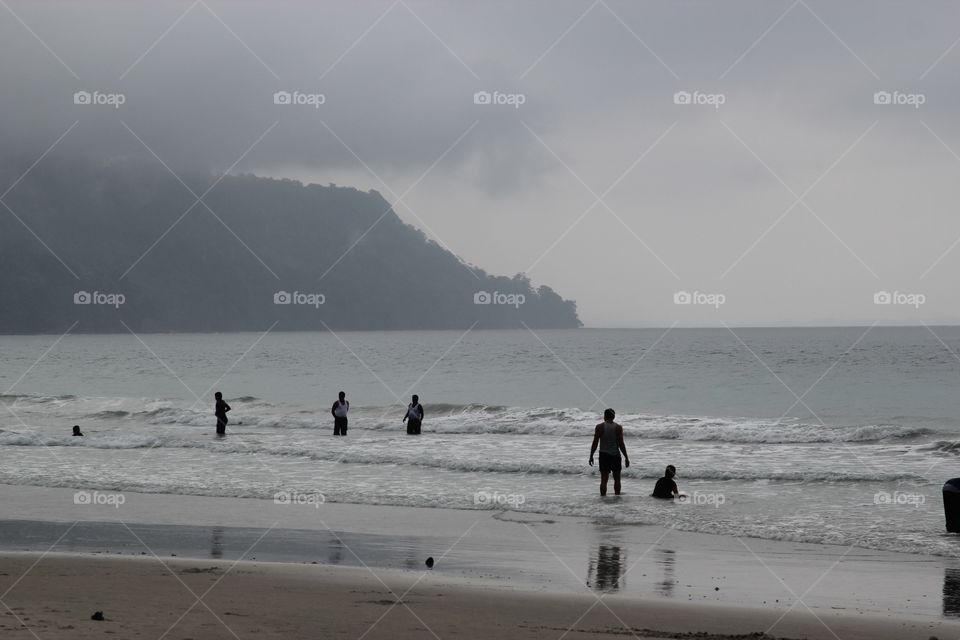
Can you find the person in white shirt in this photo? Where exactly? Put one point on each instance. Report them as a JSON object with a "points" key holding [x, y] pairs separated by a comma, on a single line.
{"points": [[339, 411], [414, 416]]}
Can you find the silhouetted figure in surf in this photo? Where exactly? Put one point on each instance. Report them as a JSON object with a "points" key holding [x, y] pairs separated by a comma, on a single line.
{"points": [[76, 430], [666, 488], [339, 411], [608, 435], [414, 416], [220, 411]]}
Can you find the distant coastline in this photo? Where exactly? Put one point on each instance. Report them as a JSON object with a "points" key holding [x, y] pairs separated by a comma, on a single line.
{"points": [[124, 248]]}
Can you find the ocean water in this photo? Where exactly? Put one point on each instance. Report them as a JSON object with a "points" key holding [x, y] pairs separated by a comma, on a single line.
{"points": [[833, 435]]}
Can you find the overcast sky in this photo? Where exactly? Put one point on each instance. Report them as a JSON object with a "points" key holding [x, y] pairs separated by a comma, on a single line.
{"points": [[788, 191]]}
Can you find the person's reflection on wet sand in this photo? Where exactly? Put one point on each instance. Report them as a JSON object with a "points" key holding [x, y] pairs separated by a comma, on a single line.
{"points": [[605, 570], [216, 542], [336, 551], [667, 559], [951, 592]]}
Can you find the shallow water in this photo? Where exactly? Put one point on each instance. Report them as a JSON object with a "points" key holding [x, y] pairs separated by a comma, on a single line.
{"points": [[858, 460]]}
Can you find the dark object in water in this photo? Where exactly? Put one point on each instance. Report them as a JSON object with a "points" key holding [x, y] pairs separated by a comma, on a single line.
{"points": [[951, 504], [97, 616], [430, 562]]}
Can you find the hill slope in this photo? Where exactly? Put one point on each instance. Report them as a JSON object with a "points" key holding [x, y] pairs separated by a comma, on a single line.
{"points": [[179, 266]]}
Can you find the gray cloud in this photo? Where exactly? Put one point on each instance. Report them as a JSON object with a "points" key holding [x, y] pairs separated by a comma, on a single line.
{"points": [[597, 97]]}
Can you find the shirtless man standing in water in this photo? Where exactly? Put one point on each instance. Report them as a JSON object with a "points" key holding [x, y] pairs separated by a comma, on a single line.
{"points": [[609, 436]]}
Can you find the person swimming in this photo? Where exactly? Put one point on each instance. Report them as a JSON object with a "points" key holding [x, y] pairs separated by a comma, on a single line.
{"points": [[666, 488], [76, 430]]}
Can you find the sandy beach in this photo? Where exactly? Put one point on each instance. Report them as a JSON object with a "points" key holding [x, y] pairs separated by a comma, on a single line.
{"points": [[53, 596], [199, 567]]}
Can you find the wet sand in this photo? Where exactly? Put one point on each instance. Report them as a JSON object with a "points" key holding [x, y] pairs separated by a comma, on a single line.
{"points": [[302, 570], [53, 596]]}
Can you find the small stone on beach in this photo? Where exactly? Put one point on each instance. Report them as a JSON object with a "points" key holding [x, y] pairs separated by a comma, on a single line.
{"points": [[98, 615]]}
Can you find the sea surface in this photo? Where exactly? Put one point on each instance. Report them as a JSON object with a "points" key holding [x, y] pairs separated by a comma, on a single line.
{"points": [[834, 435]]}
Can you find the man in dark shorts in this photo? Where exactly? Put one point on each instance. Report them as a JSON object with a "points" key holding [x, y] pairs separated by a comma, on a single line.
{"points": [[608, 435], [220, 411], [414, 416], [666, 487], [339, 411]]}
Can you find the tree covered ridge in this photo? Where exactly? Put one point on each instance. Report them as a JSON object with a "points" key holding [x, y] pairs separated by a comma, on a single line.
{"points": [[115, 228]]}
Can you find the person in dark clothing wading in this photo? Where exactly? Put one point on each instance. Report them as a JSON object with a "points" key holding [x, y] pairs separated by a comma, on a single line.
{"points": [[414, 416], [220, 411], [339, 411]]}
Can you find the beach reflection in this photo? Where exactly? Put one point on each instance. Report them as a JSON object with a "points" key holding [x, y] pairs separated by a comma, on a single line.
{"points": [[951, 592], [335, 555], [216, 542], [666, 559], [605, 571]]}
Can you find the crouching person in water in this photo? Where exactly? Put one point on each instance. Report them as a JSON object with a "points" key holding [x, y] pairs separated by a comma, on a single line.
{"points": [[666, 488], [414, 416], [608, 435]]}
